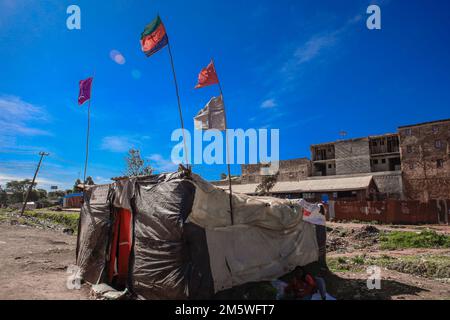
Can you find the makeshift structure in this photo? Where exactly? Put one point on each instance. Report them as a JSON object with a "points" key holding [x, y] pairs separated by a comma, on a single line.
{"points": [[73, 200], [170, 236]]}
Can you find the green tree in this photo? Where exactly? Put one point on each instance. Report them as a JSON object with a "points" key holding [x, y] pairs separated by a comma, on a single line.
{"points": [[135, 165], [42, 194], [54, 195], [33, 196], [267, 184], [90, 181], [75, 186], [3, 197], [18, 189]]}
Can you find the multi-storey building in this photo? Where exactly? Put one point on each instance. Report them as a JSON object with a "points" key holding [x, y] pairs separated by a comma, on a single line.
{"points": [[413, 163], [378, 156], [362, 155], [425, 159]]}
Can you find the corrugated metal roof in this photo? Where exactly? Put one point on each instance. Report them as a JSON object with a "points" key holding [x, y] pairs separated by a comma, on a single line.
{"points": [[71, 195], [311, 185]]}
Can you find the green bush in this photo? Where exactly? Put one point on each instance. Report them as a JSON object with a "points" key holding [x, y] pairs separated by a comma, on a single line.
{"points": [[67, 219], [423, 239]]}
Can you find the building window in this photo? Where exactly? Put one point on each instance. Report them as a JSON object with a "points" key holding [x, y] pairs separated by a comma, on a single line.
{"points": [[375, 161], [435, 129], [409, 149], [440, 163], [408, 132], [383, 160], [329, 166], [438, 144]]}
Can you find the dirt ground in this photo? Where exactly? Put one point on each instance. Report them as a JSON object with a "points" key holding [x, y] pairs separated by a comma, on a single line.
{"points": [[33, 264], [360, 242]]}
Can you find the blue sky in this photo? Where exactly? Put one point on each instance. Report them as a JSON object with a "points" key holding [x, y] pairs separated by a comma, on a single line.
{"points": [[308, 68]]}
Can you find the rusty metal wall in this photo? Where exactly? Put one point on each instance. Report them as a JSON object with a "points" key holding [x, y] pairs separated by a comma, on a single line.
{"points": [[389, 211]]}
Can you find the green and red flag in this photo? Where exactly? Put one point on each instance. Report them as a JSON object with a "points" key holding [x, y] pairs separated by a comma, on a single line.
{"points": [[154, 37]]}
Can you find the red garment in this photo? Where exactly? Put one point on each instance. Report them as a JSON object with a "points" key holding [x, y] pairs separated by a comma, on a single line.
{"points": [[207, 76], [120, 247], [300, 288]]}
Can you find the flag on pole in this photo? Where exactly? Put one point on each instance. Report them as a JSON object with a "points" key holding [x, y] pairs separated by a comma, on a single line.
{"points": [[85, 90], [207, 76], [154, 37], [212, 116]]}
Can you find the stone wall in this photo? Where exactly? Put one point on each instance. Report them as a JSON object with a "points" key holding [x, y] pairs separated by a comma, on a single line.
{"points": [[424, 151], [289, 170]]}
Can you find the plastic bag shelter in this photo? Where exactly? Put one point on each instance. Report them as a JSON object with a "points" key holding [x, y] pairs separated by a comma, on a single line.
{"points": [[169, 236]]}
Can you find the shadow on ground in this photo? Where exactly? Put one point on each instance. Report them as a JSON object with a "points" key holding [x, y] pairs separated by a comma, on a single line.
{"points": [[356, 289], [339, 287]]}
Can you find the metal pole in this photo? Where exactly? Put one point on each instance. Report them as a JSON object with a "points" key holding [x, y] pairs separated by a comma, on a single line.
{"points": [[42, 154], [87, 136], [87, 144], [227, 147], [179, 103]]}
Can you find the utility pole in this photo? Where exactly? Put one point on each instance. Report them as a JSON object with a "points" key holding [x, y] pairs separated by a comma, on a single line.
{"points": [[42, 154]]}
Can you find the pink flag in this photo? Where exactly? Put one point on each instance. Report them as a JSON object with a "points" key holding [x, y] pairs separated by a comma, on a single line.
{"points": [[85, 90]]}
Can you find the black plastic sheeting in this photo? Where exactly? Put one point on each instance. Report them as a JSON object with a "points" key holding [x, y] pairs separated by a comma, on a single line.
{"points": [[170, 257], [93, 233]]}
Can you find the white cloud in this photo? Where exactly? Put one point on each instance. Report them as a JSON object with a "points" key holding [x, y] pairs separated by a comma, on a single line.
{"points": [[317, 45], [313, 47], [17, 116], [101, 180], [122, 143], [160, 164], [269, 103], [118, 143], [41, 182]]}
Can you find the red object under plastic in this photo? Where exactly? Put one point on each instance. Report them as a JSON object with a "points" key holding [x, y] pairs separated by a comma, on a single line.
{"points": [[120, 248]]}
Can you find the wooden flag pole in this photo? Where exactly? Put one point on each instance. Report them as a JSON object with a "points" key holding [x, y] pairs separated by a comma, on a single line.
{"points": [[179, 104], [227, 146]]}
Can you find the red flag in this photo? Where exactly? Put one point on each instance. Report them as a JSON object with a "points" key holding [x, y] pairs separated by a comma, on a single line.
{"points": [[85, 90], [207, 76]]}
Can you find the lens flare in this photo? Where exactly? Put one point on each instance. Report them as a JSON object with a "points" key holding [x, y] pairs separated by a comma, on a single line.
{"points": [[136, 74], [117, 57]]}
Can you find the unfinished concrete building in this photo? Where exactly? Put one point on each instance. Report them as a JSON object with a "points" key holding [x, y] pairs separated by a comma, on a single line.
{"points": [[413, 163], [323, 159], [361, 155], [352, 156], [378, 156], [425, 158], [384, 153]]}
